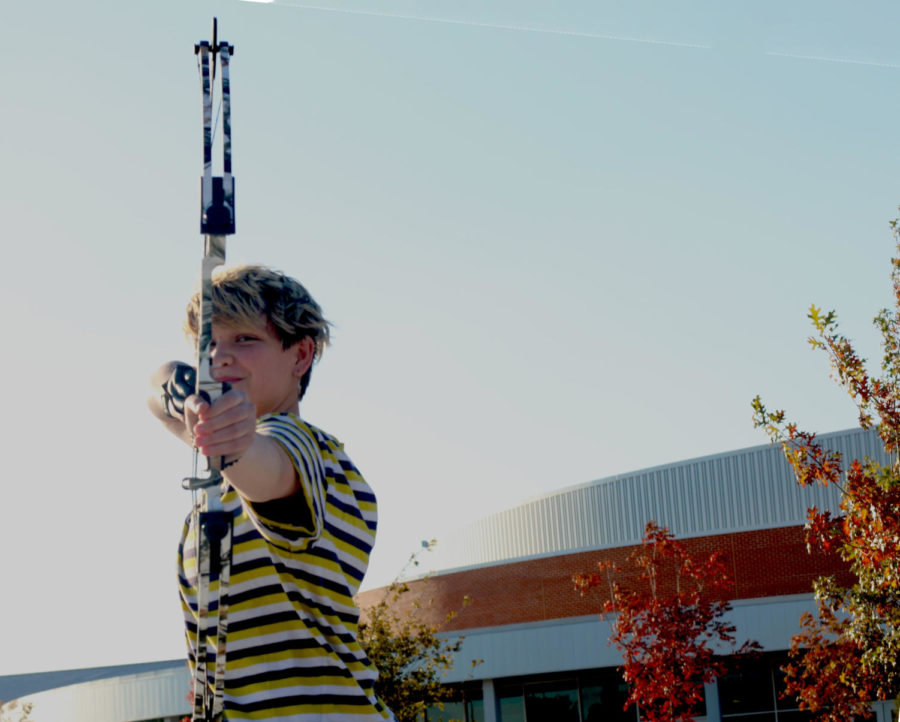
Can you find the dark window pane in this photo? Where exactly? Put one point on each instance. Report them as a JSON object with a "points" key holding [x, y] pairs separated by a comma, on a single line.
{"points": [[512, 704], [552, 701], [747, 687], [452, 712], [475, 710], [603, 696]]}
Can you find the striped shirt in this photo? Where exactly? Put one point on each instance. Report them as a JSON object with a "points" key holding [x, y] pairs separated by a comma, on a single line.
{"points": [[292, 651]]}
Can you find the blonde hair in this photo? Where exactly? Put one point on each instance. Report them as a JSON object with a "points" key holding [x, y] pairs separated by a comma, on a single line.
{"points": [[242, 293]]}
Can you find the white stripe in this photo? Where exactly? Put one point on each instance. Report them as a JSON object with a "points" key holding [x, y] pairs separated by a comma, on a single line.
{"points": [[267, 694]]}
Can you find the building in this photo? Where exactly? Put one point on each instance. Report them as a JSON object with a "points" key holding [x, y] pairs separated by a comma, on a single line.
{"points": [[543, 646], [150, 692]]}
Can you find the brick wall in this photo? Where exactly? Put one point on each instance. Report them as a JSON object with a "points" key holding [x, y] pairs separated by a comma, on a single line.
{"points": [[769, 562]]}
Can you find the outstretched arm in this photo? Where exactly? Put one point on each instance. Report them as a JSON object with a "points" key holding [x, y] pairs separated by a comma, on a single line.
{"points": [[254, 465]]}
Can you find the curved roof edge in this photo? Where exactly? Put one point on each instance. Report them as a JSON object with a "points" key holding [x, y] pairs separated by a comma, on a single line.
{"points": [[742, 490], [108, 694], [13, 686]]}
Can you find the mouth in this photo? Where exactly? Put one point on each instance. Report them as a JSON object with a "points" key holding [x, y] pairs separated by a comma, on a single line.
{"points": [[228, 379]]}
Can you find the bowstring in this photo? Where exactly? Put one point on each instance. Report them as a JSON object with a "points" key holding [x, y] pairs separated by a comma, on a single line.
{"points": [[215, 125]]}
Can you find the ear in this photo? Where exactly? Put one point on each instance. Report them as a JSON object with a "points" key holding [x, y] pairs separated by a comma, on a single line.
{"points": [[304, 353]]}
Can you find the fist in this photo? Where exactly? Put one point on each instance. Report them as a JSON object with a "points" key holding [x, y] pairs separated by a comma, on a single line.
{"points": [[226, 427]]}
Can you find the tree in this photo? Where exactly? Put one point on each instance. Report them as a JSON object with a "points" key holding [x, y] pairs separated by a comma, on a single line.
{"points": [[847, 654], [15, 711], [669, 624], [410, 655]]}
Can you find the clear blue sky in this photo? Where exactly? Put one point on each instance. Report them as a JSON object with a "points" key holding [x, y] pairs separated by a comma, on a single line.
{"points": [[559, 241]]}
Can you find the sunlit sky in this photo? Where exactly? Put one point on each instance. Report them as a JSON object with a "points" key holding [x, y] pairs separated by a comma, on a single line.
{"points": [[558, 241]]}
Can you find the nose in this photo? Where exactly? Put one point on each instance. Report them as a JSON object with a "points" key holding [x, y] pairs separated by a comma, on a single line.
{"points": [[219, 355]]}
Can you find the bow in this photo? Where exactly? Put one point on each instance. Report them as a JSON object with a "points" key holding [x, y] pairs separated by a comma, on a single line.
{"points": [[212, 524]]}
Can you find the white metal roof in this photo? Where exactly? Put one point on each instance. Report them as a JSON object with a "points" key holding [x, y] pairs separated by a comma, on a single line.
{"points": [[127, 693], [742, 490]]}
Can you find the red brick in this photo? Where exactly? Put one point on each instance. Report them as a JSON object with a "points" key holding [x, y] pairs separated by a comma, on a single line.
{"points": [[764, 563]]}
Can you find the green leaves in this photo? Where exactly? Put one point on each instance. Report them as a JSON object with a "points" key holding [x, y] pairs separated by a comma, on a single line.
{"points": [[821, 323], [410, 655], [770, 422], [847, 654]]}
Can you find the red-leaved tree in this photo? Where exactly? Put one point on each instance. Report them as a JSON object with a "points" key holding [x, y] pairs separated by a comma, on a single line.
{"points": [[848, 653], [668, 623]]}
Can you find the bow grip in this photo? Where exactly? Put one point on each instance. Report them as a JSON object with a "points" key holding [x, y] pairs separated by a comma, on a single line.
{"points": [[205, 395]]}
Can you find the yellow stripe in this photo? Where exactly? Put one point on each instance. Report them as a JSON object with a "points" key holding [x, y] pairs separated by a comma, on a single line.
{"points": [[310, 709], [309, 619]]}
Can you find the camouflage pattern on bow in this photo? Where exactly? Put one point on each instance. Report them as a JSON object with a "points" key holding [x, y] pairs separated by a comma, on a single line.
{"points": [[212, 524]]}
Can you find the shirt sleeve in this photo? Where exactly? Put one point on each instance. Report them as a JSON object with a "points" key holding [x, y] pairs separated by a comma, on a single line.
{"points": [[297, 521]]}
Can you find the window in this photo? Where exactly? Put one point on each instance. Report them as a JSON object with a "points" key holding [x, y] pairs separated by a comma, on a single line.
{"points": [[512, 703], [603, 695], [749, 691], [475, 709], [552, 701], [590, 696], [468, 707]]}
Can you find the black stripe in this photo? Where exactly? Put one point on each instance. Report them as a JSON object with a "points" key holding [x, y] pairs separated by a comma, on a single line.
{"points": [[290, 646], [268, 620], [350, 540], [265, 620], [349, 509], [316, 700], [282, 645], [305, 577], [348, 465], [301, 674]]}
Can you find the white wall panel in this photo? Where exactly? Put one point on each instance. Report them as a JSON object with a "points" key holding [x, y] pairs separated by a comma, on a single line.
{"points": [[581, 643]]}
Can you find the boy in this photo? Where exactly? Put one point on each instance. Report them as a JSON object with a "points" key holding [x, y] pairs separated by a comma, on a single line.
{"points": [[304, 518]]}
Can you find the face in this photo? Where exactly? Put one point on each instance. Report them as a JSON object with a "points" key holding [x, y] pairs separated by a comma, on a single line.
{"points": [[252, 359]]}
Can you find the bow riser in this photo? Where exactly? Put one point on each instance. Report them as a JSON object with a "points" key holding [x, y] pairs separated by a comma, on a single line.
{"points": [[207, 387]]}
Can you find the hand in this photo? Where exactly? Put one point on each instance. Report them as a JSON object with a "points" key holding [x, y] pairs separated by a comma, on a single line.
{"points": [[170, 385], [178, 386], [225, 428]]}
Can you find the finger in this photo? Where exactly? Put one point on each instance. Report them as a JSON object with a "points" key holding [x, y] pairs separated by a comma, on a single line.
{"points": [[194, 408], [233, 439], [236, 417], [231, 399], [230, 413], [224, 407], [229, 425], [196, 405]]}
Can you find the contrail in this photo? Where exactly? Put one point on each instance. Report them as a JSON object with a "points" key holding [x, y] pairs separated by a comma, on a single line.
{"points": [[476, 24], [556, 31], [824, 59]]}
